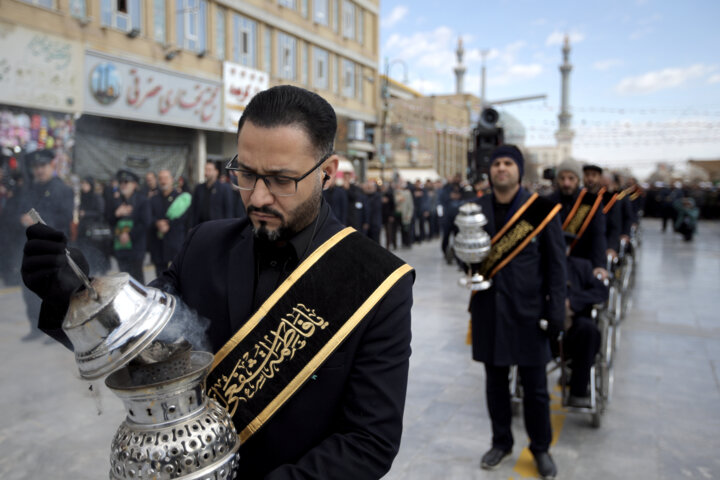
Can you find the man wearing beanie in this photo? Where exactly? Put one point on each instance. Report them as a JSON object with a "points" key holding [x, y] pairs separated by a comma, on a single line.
{"points": [[582, 218], [528, 284]]}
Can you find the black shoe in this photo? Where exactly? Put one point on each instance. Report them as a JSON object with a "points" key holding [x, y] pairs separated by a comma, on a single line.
{"points": [[579, 402], [545, 465], [493, 458]]}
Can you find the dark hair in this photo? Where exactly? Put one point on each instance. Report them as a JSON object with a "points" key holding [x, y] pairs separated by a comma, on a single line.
{"points": [[285, 105], [216, 164]]}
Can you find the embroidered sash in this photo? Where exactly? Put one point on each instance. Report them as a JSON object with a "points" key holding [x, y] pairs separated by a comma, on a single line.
{"points": [[530, 219], [297, 328], [609, 199], [582, 214]]}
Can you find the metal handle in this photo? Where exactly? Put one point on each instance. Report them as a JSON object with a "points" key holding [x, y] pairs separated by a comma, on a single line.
{"points": [[74, 266]]}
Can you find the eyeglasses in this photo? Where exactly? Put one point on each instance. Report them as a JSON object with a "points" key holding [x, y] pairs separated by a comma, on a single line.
{"points": [[278, 185]]}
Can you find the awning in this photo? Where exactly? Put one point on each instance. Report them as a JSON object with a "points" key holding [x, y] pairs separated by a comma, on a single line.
{"points": [[407, 174], [422, 174]]}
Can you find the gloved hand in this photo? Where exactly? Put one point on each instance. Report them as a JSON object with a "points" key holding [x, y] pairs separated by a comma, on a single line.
{"points": [[45, 269]]}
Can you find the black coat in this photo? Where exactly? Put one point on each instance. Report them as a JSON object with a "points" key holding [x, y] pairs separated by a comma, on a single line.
{"points": [[593, 244], [583, 289], [347, 422], [53, 200], [220, 199], [140, 218], [163, 248], [505, 317]]}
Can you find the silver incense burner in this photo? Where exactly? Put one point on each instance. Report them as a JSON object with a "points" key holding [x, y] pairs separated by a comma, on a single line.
{"points": [[472, 245], [172, 429]]}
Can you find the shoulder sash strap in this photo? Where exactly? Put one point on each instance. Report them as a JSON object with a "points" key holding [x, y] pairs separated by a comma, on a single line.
{"points": [[530, 219], [611, 202], [582, 214], [297, 328]]}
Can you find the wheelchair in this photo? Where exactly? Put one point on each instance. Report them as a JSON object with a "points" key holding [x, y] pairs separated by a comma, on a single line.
{"points": [[601, 373]]}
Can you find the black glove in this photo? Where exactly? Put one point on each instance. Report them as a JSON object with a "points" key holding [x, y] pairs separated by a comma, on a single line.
{"points": [[45, 269]]}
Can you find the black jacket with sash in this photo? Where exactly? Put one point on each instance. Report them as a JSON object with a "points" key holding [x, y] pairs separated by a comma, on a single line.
{"points": [[530, 287], [593, 244], [346, 422]]}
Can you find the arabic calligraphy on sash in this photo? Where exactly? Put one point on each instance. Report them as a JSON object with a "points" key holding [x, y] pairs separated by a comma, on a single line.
{"points": [[264, 360]]}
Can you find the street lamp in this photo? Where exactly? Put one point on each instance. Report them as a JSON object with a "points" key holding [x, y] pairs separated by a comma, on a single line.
{"points": [[385, 92]]}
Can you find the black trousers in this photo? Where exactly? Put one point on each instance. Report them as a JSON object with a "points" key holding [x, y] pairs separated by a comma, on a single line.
{"points": [[536, 406], [581, 343]]}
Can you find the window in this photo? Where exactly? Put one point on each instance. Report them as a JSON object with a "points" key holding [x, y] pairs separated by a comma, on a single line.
{"points": [[287, 52], [304, 72], [287, 4], [320, 12], [304, 8], [41, 3], [335, 74], [320, 68], [191, 24], [348, 15], [78, 9], [360, 26], [348, 78], [267, 48], [335, 14], [244, 40], [159, 20], [359, 83], [220, 33], [121, 14]]}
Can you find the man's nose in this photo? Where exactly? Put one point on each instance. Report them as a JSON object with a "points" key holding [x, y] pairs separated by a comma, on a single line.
{"points": [[261, 194]]}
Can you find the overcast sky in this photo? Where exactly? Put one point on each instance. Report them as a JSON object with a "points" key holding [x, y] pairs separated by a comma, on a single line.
{"points": [[645, 84]]}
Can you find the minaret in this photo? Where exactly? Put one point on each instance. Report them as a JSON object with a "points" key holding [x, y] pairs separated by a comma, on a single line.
{"points": [[564, 134], [460, 69]]}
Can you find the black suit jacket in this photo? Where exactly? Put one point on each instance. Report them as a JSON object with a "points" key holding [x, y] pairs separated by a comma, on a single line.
{"points": [[346, 422]]}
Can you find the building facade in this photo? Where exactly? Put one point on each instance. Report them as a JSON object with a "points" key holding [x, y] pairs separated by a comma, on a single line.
{"points": [[156, 84]]}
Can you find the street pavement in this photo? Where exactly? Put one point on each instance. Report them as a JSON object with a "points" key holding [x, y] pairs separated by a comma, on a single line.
{"points": [[662, 423]]}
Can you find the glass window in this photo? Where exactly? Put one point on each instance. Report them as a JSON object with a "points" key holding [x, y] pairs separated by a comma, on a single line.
{"points": [[191, 24], [267, 48], [123, 15], [335, 14], [304, 73], [320, 68], [348, 78], [287, 3], [335, 74], [320, 12], [78, 9], [41, 3], [304, 8], [159, 20], [220, 33], [359, 83], [360, 25], [244, 40], [287, 53], [348, 15]]}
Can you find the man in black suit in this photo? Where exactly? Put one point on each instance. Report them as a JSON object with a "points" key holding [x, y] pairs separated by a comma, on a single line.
{"points": [[344, 418], [506, 318], [213, 199]]}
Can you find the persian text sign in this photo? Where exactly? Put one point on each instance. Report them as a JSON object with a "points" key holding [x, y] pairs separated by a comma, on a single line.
{"points": [[124, 89], [39, 70], [241, 83]]}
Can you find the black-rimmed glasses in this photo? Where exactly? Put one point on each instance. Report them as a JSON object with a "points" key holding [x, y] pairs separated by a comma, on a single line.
{"points": [[279, 185]]}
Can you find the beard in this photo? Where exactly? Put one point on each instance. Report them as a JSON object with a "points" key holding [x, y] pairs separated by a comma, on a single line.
{"points": [[297, 219]]}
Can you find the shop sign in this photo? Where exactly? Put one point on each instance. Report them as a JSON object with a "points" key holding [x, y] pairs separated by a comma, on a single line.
{"points": [[241, 83], [39, 71], [124, 89]]}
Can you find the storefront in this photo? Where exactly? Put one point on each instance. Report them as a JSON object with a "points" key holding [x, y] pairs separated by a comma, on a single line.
{"points": [[40, 94], [143, 118]]}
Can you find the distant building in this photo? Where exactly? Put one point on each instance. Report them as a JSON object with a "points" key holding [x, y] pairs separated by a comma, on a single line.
{"points": [[145, 85]]}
